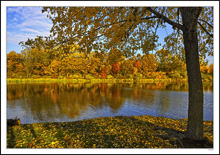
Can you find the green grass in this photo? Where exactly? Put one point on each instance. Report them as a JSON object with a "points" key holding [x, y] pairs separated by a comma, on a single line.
{"points": [[108, 132]]}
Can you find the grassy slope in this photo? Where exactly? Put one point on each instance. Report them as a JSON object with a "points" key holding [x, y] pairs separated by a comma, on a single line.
{"points": [[117, 132]]}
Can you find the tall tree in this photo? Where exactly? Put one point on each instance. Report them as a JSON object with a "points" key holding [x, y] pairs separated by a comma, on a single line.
{"points": [[135, 28], [127, 68], [210, 70], [148, 63], [14, 64]]}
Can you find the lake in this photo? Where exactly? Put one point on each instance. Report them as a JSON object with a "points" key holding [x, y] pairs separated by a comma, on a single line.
{"points": [[64, 102]]}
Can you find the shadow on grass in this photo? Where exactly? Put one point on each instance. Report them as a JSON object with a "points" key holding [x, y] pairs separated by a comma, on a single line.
{"points": [[179, 138], [11, 142], [116, 132]]}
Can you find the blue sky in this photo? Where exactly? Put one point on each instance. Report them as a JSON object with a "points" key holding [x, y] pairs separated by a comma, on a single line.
{"points": [[24, 23], [28, 22]]}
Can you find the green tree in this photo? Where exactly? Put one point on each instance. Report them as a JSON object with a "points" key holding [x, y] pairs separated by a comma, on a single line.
{"points": [[134, 28]]}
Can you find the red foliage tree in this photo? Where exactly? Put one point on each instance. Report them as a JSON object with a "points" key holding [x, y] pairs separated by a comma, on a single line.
{"points": [[137, 64], [103, 73], [115, 69]]}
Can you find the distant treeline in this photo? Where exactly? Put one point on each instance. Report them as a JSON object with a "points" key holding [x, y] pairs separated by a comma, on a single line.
{"points": [[37, 63]]}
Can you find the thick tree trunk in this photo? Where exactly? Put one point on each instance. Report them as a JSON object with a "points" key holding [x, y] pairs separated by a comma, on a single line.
{"points": [[195, 109]]}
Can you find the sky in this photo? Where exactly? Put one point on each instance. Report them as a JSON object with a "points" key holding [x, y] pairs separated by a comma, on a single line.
{"points": [[28, 22], [24, 23]]}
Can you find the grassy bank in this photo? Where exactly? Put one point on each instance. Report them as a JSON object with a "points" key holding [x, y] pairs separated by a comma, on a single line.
{"points": [[109, 132], [46, 80]]}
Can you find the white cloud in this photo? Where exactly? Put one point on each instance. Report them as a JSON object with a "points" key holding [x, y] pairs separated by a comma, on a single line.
{"points": [[26, 22], [35, 24], [31, 30], [14, 9], [15, 38], [15, 19]]}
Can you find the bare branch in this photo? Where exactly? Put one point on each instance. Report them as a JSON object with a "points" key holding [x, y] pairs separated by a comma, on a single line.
{"points": [[110, 24], [122, 22], [206, 22], [156, 30], [159, 15], [205, 44], [211, 35], [149, 17]]}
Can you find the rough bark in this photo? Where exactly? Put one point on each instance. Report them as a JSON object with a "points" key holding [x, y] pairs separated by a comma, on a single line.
{"points": [[195, 109]]}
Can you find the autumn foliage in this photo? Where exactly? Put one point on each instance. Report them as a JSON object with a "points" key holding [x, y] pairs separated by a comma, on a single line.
{"points": [[115, 69], [103, 73], [41, 63]]}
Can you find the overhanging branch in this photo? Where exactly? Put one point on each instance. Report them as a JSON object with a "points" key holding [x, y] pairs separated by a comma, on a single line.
{"points": [[211, 35], [205, 44], [206, 22], [159, 15]]}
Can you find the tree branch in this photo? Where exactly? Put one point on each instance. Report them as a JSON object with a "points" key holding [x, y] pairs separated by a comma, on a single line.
{"points": [[159, 15], [205, 44], [149, 17], [211, 35], [206, 22], [110, 24]]}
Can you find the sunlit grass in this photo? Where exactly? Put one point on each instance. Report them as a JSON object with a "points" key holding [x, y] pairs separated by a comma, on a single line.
{"points": [[109, 132]]}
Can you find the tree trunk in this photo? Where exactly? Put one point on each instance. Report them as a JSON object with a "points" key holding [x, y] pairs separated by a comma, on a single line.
{"points": [[195, 109]]}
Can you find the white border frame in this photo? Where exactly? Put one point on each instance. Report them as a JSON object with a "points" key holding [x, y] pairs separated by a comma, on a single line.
{"points": [[5, 4]]}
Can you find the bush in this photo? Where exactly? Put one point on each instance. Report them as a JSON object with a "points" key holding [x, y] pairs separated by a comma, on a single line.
{"points": [[89, 76], [35, 76], [206, 77], [153, 75], [138, 76], [60, 77], [183, 74], [75, 76], [174, 75], [130, 76], [14, 75], [119, 76], [47, 77], [110, 77]]}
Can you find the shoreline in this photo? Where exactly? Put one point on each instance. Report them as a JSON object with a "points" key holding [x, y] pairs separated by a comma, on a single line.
{"points": [[108, 132], [114, 80], [42, 80]]}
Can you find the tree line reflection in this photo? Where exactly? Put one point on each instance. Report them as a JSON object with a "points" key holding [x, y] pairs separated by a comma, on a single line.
{"points": [[55, 100]]}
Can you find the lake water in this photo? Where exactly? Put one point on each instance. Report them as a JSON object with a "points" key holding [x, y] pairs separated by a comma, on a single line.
{"points": [[64, 102]]}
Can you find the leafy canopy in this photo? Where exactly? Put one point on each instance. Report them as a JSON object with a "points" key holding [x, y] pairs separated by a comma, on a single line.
{"points": [[127, 28]]}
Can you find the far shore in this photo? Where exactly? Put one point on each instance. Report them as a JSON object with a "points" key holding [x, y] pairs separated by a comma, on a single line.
{"points": [[114, 80]]}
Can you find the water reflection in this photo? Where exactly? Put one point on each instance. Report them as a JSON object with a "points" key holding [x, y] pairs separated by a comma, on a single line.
{"points": [[69, 101]]}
